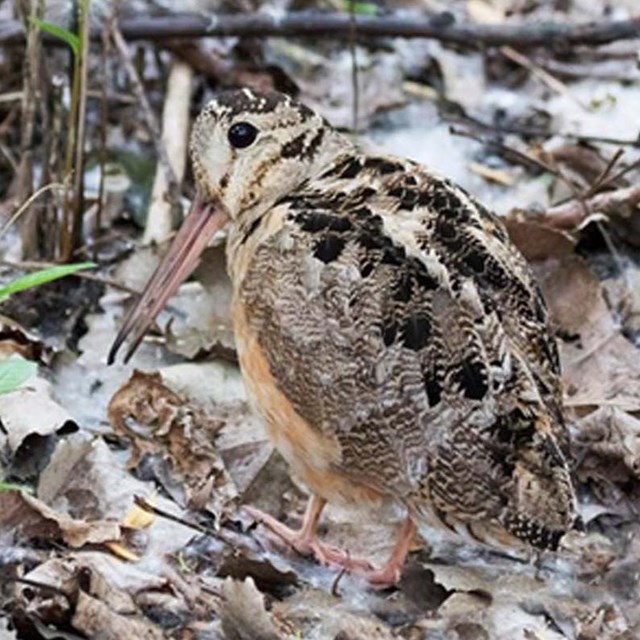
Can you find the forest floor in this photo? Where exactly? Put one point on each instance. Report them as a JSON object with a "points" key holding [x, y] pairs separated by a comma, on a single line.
{"points": [[125, 519]]}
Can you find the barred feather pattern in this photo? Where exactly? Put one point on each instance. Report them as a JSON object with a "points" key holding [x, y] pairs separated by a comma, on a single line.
{"points": [[401, 324]]}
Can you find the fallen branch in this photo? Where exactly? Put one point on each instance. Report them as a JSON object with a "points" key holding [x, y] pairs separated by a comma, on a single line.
{"points": [[572, 214], [338, 25]]}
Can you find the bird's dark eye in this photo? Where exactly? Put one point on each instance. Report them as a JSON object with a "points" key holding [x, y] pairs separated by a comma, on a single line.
{"points": [[242, 134]]}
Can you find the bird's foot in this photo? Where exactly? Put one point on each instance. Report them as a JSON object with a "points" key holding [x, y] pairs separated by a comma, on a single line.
{"points": [[307, 544], [389, 575], [383, 578]]}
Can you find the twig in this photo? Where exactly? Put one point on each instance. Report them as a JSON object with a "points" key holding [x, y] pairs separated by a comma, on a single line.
{"points": [[571, 214], [337, 25], [78, 176], [603, 178], [146, 506], [35, 583], [537, 132], [30, 99], [623, 172], [551, 81], [509, 153], [25, 205], [152, 122], [175, 135], [355, 94]]}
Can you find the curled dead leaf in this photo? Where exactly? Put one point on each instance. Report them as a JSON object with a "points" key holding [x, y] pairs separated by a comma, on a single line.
{"points": [[173, 439]]}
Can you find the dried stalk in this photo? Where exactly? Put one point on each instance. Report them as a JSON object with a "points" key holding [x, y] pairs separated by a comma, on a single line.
{"points": [[175, 133], [30, 98], [78, 176]]}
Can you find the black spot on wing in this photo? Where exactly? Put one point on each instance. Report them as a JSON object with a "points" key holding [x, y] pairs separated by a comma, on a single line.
{"points": [[383, 166], [416, 331], [394, 255], [402, 288], [314, 144], [476, 259], [348, 168], [341, 224], [329, 248], [472, 378], [408, 198], [389, 332], [315, 221], [366, 268], [433, 388]]}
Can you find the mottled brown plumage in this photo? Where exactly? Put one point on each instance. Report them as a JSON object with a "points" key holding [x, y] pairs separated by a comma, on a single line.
{"points": [[389, 333]]}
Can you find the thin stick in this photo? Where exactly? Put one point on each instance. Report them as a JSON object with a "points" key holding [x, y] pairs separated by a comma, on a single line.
{"points": [[551, 81], [538, 133], [312, 24], [603, 179], [78, 177], [27, 203], [514, 155], [355, 94], [146, 506], [30, 100]]}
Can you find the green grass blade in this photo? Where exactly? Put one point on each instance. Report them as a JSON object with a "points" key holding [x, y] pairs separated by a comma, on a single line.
{"points": [[14, 372], [360, 8], [60, 32], [41, 277]]}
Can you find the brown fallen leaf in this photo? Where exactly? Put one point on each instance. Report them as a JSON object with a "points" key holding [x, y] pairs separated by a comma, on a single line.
{"points": [[24, 516], [243, 613], [600, 366], [15, 339], [96, 619], [174, 439], [91, 593]]}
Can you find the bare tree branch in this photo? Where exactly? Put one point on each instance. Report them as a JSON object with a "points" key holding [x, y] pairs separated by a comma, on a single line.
{"points": [[571, 214], [337, 25]]}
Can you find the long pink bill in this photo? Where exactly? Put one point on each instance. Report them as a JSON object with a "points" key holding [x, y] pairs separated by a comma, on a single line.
{"points": [[199, 226]]}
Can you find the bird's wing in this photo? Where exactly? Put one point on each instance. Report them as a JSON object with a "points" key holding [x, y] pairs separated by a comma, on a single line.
{"points": [[396, 315]]}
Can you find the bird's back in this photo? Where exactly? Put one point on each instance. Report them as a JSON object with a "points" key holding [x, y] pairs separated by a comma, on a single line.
{"points": [[407, 333]]}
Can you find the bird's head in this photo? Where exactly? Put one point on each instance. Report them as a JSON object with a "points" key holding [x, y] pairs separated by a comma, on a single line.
{"points": [[248, 150]]}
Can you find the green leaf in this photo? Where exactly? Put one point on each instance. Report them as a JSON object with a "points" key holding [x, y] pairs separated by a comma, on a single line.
{"points": [[14, 372], [359, 8], [60, 32], [40, 277], [8, 486]]}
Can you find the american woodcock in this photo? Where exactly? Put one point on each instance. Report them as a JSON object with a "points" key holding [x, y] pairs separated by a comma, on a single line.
{"points": [[389, 333]]}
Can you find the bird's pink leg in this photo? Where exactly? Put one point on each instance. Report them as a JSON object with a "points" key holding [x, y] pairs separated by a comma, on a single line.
{"points": [[305, 540], [389, 574]]}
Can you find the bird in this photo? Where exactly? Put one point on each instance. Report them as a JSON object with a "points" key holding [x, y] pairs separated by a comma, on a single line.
{"points": [[390, 335]]}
